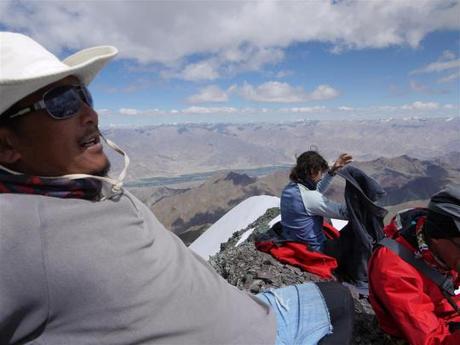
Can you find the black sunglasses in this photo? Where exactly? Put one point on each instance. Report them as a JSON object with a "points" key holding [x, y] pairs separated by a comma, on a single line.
{"points": [[61, 102]]}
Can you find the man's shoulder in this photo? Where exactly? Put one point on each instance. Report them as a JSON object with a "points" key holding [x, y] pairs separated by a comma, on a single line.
{"points": [[13, 200], [385, 264]]}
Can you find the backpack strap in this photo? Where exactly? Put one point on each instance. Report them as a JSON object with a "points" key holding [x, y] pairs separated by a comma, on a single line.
{"points": [[445, 282]]}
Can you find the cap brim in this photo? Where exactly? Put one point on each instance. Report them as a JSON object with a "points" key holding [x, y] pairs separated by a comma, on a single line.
{"points": [[84, 64]]}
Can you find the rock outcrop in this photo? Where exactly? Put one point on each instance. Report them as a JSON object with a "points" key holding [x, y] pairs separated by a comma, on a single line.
{"points": [[249, 269]]}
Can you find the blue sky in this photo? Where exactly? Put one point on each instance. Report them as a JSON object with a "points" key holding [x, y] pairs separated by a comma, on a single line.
{"points": [[240, 61]]}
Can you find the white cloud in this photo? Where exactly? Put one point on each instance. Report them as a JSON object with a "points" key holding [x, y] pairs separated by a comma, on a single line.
{"points": [[211, 93], [304, 109], [323, 92], [250, 58], [415, 109], [209, 110], [450, 77], [272, 91], [205, 70], [283, 74], [447, 61], [438, 66], [154, 31], [227, 62], [280, 92], [421, 106], [128, 111], [423, 88], [447, 55], [103, 111]]}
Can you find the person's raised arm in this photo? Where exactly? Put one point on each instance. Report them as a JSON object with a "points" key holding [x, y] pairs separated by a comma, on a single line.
{"points": [[340, 162], [316, 204]]}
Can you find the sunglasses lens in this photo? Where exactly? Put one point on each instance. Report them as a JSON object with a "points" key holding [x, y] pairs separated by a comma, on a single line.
{"points": [[87, 98], [63, 102]]}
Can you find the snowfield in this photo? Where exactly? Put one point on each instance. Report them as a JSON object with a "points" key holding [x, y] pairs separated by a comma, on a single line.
{"points": [[239, 218], [236, 219]]}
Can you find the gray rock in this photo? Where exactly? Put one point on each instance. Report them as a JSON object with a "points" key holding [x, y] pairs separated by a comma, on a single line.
{"points": [[251, 270]]}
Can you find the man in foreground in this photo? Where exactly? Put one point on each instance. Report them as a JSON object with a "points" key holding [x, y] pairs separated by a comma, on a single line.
{"points": [[415, 274], [82, 261]]}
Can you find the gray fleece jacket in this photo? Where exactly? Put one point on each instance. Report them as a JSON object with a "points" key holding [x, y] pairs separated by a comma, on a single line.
{"points": [[80, 272]]}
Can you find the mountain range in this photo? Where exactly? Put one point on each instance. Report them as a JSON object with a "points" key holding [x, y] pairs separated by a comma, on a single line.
{"points": [[188, 212], [172, 150]]}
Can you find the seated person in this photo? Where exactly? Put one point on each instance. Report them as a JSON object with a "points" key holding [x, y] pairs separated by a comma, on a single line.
{"points": [[83, 261], [303, 205], [409, 304]]}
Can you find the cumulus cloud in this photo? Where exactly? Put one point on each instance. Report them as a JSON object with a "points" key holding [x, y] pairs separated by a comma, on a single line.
{"points": [[448, 61], [128, 111], [450, 77], [228, 62], [345, 108], [209, 110], [211, 93], [423, 88], [447, 55], [205, 70], [304, 109], [323, 92], [421, 106], [282, 74], [438, 66], [103, 111], [272, 91], [280, 92], [249, 58], [154, 31]]}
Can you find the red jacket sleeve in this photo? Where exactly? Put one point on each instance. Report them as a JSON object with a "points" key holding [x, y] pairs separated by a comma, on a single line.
{"points": [[400, 300]]}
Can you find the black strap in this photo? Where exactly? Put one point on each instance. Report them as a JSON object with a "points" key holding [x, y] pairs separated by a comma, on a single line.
{"points": [[445, 282]]}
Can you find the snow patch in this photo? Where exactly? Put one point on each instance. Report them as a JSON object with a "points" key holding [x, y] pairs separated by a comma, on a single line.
{"points": [[274, 221], [236, 219], [339, 224], [244, 236]]}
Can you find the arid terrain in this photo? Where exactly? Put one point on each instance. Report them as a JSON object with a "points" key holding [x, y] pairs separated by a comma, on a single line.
{"points": [[190, 211], [172, 150]]}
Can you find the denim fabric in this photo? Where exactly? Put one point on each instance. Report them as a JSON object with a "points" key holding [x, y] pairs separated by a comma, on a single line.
{"points": [[301, 314]]}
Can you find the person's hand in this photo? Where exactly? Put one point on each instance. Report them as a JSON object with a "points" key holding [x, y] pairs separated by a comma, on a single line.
{"points": [[343, 160]]}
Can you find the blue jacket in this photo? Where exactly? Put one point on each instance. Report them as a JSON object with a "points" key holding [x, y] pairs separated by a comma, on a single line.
{"points": [[302, 212]]}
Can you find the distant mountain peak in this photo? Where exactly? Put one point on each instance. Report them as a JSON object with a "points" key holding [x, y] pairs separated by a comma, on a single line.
{"points": [[239, 179]]}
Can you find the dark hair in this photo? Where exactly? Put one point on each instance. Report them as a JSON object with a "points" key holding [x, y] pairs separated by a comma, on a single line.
{"points": [[307, 163], [439, 225], [10, 123]]}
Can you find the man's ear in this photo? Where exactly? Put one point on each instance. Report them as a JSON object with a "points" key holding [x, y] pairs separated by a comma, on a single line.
{"points": [[8, 152]]}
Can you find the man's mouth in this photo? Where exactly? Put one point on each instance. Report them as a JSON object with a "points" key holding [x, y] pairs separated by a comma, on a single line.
{"points": [[90, 140]]}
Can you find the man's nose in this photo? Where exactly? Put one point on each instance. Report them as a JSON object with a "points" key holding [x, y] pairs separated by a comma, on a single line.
{"points": [[88, 115]]}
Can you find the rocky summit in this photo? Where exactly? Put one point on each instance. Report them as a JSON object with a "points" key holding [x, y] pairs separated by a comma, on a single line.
{"points": [[243, 266]]}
